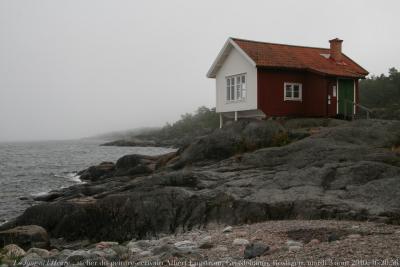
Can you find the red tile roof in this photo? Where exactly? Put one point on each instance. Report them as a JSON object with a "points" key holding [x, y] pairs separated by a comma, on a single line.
{"points": [[269, 55]]}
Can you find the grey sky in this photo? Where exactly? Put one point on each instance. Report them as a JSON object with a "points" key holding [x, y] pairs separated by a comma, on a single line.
{"points": [[76, 68]]}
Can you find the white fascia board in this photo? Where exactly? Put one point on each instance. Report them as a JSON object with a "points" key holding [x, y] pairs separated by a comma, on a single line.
{"points": [[235, 45], [210, 73], [223, 53]]}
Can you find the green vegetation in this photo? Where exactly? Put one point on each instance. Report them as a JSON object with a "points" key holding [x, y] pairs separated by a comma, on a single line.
{"points": [[382, 95], [281, 139], [248, 143], [8, 259], [202, 122]]}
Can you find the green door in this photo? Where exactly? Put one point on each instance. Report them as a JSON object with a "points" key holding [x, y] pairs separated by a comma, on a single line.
{"points": [[346, 97]]}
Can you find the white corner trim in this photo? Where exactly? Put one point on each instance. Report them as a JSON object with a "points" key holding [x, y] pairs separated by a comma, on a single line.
{"points": [[221, 54], [354, 96], [337, 96]]}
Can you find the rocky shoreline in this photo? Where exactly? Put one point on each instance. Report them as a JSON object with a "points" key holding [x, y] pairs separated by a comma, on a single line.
{"points": [[317, 242], [244, 174]]}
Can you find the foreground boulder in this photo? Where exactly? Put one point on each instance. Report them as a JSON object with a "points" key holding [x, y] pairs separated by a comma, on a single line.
{"points": [[350, 171], [13, 251], [255, 250], [25, 236]]}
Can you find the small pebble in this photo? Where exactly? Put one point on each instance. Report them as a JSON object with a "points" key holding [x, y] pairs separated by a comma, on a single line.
{"points": [[242, 234], [314, 242], [220, 249], [333, 237], [41, 252], [186, 245], [354, 236], [290, 243], [240, 242], [145, 253], [294, 248], [105, 244], [227, 229], [206, 242]]}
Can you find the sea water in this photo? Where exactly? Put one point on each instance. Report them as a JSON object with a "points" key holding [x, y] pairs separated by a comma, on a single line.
{"points": [[29, 169]]}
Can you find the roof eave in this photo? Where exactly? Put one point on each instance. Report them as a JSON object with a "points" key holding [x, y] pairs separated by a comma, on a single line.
{"points": [[212, 71], [355, 75]]}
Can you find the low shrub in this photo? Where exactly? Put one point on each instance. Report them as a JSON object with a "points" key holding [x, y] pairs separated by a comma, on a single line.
{"points": [[280, 139]]}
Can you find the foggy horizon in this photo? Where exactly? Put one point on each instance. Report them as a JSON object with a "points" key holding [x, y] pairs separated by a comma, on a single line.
{"points": [[75, 69]]}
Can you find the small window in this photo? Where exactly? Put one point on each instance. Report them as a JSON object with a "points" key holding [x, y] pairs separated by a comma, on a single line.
{"points": [[236, 87], [292, 91], [334, 91]]}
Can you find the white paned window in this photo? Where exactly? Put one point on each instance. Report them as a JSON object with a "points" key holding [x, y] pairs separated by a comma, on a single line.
{"points": [[236, 89], [293, 91], [228, 89]]}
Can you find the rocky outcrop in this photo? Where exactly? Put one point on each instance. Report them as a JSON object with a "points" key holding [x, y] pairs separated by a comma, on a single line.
{"points": [[236, 138], [349, 171], [136, 142], [104, 169], [127, 165]]}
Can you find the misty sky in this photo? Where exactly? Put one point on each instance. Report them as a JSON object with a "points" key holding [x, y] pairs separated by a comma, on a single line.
{"points": [[75, 68]]}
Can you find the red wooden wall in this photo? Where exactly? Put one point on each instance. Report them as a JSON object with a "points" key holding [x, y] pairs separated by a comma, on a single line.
{"points": [[270, 92], [316, 89]]}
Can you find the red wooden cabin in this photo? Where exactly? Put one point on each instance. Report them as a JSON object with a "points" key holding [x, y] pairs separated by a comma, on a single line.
{"points": [[258, 79]]}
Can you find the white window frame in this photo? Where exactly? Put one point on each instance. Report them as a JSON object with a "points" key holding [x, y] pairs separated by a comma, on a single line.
{"points": [[292, 98], [239, 89]]}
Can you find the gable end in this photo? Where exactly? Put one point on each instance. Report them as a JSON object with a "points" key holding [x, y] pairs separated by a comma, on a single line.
{"points": [[223, 54]]}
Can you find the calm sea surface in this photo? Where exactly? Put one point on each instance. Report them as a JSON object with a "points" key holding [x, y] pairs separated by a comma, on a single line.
{"points": [[29, 169]]}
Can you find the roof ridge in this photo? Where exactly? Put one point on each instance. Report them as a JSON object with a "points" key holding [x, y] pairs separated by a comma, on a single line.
{"points": [[261, 42]]}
